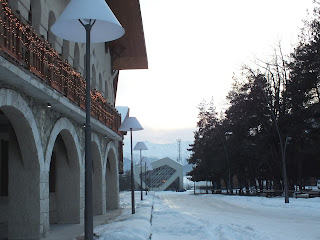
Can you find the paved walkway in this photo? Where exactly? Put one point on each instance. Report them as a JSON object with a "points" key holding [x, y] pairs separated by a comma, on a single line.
{"points": [[75, 231]]}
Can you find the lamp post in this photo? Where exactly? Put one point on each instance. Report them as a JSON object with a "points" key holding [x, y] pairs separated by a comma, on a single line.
{"points": [[285, 180], [140, 146], [131, 124], [145, 177], [88, 22]]}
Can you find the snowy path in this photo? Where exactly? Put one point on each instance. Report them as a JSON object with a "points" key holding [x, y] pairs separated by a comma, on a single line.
{"points": [[186, 216]]}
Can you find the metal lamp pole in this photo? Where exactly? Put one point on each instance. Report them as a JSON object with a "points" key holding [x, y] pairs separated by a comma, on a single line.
{"points": [[132, 178], [141, 176], [88, 217], [284, 165], [145, 177], [131, 124], [141, 146]]}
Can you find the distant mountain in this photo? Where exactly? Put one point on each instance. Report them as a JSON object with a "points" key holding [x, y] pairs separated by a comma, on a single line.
{"points": [[127, 165], [158, 151], [127, 162]]}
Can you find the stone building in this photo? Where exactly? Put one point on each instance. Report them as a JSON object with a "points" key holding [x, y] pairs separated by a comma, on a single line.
{"points": [[42, 116], [165, 175]]}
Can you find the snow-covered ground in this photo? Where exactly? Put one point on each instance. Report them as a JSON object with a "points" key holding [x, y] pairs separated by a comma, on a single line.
{"points": [[186, 216]]}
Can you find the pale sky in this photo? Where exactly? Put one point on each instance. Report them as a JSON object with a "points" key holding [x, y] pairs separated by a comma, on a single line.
{"points": [[193, 48]]}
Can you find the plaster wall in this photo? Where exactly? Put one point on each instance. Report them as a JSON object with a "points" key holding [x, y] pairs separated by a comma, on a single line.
{"points": [[112, 178], [97, 178], [67, 186], [24, 195]]}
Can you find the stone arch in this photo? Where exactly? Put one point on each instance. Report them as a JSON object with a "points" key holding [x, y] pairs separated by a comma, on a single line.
{"points": [[63, 162], [25, 159], [76, 57], [97, 175], [69, 134], [35, 14], [50, 36], [111, 177]]}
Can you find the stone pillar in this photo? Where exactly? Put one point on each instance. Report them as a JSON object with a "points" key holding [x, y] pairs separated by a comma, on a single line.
{"points": [[82, 195], [44, 203], [104, 193]]}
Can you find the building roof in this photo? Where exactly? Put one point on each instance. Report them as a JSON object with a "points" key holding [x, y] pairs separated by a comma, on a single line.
{"points": [[166, 161], [128, 52]]}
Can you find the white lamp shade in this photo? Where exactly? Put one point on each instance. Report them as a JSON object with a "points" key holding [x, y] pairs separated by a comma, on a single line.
{"points": [[130, 123], [140, 146], [106, 28]]}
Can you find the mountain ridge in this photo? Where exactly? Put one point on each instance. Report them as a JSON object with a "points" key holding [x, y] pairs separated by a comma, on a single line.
{"points": [[158, 151]]}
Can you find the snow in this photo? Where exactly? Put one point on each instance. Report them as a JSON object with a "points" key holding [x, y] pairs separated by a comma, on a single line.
{"points": [[176, 215]]}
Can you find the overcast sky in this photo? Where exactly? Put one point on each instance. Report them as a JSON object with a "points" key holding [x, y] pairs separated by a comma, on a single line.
{"points": [[193, 48]]}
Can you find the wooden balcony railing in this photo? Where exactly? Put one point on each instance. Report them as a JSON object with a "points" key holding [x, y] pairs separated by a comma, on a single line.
{"points": [[19, 41]]}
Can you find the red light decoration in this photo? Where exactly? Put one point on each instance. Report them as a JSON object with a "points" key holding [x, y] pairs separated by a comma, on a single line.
{"points": [[20, 41]]}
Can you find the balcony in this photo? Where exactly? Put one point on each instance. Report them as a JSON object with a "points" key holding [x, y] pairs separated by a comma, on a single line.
{"points": [[20, 45]]}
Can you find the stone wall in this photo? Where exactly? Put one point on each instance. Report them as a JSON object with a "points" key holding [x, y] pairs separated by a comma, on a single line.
{"points": [[37, 131]]}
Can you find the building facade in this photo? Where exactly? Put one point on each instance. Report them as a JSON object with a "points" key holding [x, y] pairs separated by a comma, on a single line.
{"points": [[42, 116]]}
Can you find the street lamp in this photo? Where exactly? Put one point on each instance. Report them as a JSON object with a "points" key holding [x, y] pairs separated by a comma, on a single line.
{"points": [[131, 124], [140, 146], [285, 180], [88, 22], [148, 168], [145, 177]]}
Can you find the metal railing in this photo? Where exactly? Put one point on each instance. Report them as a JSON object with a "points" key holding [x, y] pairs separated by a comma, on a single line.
{"points": [[19, 41]]}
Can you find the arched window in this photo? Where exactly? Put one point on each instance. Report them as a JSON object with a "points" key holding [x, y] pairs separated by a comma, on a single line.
{"points": [[13, 4], [76, 57], [30, 15], [100, 85], [93, 82], [51, 37], [106, 89], [84, 66], [65, 49], [35, 15]]}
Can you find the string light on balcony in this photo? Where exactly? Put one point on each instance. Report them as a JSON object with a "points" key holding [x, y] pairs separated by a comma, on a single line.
{"points": [[48, 64]]}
